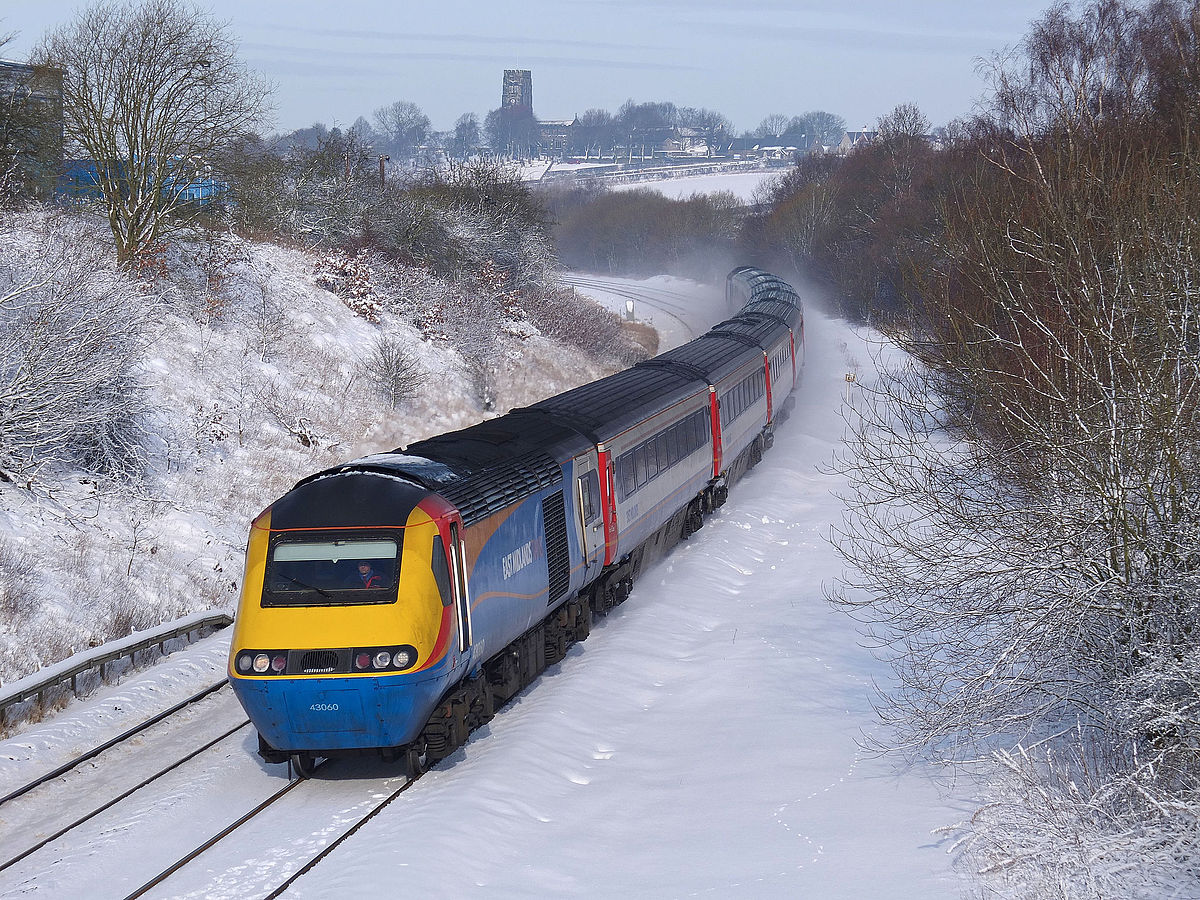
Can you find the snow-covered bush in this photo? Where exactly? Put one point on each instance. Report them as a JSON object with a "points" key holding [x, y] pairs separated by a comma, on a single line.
{"points": [[18, 583], [72, 329], [393, 370], [566, 317], [351, 278], [1074, 823]]}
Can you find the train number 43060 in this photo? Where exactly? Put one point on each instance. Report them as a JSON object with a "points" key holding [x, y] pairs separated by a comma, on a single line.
{"points": [[324, 707]]}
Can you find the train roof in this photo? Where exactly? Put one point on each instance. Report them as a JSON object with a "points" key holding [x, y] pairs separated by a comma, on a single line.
{"points": [[498, 462], [480, 470], [788, 311], [605, 408], [760, 284], [762, 329], [711, 357], [346, 496]]}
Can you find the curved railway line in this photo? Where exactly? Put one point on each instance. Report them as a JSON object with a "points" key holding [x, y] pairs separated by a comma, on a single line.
{"points": [[673, 304]]}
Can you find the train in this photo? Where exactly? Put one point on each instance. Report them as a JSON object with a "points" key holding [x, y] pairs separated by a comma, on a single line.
{"points": [[391, 604]]}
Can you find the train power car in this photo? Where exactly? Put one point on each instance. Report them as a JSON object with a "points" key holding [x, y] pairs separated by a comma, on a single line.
{"points": [[390, 604]]}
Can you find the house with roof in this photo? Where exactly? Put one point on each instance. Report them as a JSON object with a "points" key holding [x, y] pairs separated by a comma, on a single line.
{"points": [[852, 139]]}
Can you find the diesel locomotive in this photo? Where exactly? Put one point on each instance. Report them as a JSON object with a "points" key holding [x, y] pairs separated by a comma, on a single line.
{"points": [[392, 603]]}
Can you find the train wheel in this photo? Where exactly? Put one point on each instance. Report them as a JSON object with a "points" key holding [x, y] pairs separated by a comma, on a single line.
{"points": [[303, 764], [416, 758]]}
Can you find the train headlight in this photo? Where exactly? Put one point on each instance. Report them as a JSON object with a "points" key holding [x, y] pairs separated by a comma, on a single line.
{"points": [[262, 662], [383, 659], [402, 658], [279, 663], [244, 661], [362, 660]]}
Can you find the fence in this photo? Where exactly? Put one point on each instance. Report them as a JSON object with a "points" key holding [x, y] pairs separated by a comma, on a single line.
{"points": [[55, 677]]}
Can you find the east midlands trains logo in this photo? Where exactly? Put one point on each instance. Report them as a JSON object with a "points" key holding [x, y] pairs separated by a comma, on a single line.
{"points": [[514, 562]]}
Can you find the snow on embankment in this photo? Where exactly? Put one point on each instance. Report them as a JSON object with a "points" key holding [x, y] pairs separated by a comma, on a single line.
{"points": [[254, 377]]}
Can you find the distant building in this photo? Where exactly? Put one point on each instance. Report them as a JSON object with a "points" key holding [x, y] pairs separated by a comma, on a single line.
{"points": [[31, 124], [194, 185], [517, 89], [554, 135], [543, 137], [852, 139]]}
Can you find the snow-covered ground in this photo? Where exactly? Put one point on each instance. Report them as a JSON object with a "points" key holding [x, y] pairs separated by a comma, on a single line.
{"points": [[704, 740], [742, 185]]}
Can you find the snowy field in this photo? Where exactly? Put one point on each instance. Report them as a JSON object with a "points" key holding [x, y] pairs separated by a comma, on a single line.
{"points": [[704, 740], [742, 185]]}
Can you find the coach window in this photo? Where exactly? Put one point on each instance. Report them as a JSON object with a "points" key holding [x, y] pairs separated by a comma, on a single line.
{"points": [[625, 473], [664, 457], [639, 461], [651, 460], [672, 440]]}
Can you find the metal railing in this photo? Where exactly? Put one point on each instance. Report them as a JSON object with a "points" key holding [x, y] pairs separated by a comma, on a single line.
{"points": [[54, 677]]}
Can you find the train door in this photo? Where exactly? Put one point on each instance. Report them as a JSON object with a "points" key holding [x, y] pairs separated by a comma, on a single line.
{"points": [[589, 503], [458, 578], [770, 396]]}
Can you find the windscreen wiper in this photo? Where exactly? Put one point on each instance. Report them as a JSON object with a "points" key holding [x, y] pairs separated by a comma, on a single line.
{"points": [[309, 587]]}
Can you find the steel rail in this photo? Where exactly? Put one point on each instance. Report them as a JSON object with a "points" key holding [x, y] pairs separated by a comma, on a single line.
{"points": [[215, 839], [636, 294], [333, 846], [38, 846], [96, 751]]}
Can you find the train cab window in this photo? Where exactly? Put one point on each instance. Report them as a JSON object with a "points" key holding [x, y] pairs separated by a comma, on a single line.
{"points": [[589, 496], [441, 572], [330, 571]]}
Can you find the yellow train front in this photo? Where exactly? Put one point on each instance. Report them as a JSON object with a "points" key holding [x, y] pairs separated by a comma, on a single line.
{"points": [[345, 636]]}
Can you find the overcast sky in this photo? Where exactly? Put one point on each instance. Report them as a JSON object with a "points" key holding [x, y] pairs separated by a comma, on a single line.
{"points": [[335, 61]]}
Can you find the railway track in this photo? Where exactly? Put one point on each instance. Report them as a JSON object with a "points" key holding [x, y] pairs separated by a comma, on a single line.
{"points": [[200, 850], [87, 817], [108, 745], [55, 811], [673, 304], [51, 849]]}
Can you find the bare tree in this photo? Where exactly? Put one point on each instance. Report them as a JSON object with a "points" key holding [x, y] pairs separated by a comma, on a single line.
{"points": [[713, 127], [403, 125], [594, 131], [393, 370], [151, 92], [905, 122], [772, 126], [466, 136], [816, 127]]}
